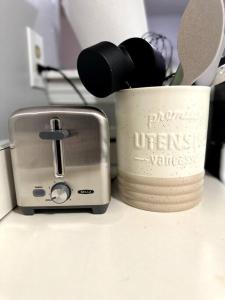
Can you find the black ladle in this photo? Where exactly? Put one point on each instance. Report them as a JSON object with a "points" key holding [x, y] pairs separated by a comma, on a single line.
{"points": [[105, 68]]}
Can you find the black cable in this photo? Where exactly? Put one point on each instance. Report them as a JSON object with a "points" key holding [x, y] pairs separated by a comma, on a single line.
{"points": [[41, 69]]}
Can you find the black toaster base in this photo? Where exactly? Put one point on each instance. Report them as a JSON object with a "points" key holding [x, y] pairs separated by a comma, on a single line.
{"points": [[95, 209]]}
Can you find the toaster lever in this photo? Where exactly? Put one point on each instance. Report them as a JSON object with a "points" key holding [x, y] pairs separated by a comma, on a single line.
{"points": [[54, 135]]}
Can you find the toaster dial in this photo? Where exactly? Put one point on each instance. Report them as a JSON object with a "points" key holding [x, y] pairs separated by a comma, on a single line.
{"points": [[60, 193]]}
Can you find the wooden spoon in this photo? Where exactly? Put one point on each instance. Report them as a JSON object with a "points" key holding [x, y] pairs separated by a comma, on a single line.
{"points": [[200, 42]]}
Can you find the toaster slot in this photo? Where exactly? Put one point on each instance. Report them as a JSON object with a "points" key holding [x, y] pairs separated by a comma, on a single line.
{"points": [[57, 149]]}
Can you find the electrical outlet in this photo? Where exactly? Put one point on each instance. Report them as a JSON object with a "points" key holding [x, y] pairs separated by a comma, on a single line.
{"points": [[35, 56]]}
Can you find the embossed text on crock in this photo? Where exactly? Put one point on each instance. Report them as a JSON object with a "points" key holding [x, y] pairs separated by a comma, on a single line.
{"points": [[167, 141], [171, 116]]}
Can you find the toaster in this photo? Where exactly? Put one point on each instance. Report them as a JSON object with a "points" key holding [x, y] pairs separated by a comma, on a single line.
{"points": [[60, 158]]}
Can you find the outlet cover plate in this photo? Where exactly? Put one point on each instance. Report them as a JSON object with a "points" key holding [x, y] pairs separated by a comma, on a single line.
{"points": [[35, 45]]}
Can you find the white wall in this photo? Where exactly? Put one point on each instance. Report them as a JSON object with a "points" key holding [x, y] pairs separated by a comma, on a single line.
{"points": [[69, 47], [15, 15], [164, 17], [165, 7]]}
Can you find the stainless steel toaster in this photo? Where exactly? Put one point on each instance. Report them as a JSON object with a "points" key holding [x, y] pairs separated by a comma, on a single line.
{"points": [[60, 158]]}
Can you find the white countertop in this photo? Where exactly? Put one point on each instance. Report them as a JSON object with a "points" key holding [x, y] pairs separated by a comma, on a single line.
{"points": [[126, 254]]}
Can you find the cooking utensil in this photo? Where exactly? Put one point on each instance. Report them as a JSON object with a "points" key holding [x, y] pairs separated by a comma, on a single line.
{"points": [[200, 42], [106, 68], [220, 76]]}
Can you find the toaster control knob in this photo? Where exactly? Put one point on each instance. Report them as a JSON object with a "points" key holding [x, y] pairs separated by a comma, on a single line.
{"points": [[60, 193]]}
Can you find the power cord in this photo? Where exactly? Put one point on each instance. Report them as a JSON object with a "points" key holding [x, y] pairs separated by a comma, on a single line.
{"points": [[41, 69]]}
